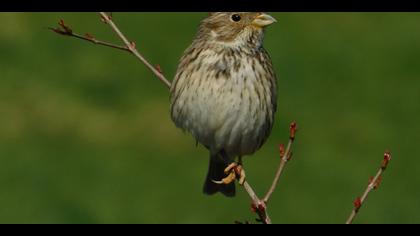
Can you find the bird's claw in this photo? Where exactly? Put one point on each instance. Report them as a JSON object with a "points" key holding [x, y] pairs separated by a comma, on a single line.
{"points": [[234, 171], [227, 180], [231, 167]]}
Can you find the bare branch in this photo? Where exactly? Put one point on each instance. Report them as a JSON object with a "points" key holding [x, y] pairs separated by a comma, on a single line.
{"points": [[373, 184], [129, 46], [285, 157], [260, 206], [67, 31], [132, 48]]}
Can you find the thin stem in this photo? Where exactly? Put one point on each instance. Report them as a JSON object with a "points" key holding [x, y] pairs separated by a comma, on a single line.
{"points": [[258, 205], [90, 39], [374, 183], [369, 188], [283, 162], [133, 50], [99, 42], [67, 31], [251, 192]]}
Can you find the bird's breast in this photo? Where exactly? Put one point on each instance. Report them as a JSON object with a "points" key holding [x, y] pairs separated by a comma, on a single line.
{"points": [[225, 100]]}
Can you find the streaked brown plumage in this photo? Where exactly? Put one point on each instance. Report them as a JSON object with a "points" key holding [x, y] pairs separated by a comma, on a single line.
{"points": [[224, 92]]}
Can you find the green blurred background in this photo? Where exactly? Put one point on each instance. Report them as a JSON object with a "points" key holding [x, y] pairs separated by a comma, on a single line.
{"points": [[86, 136]]}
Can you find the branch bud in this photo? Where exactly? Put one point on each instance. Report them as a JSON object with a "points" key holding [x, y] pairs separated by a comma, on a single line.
{"points": [[293, 129], [357, 204], [133, 45], [158, 68], [67, 30], [377, 182], [89, 36], [106, 18], [253, 207], [387, 158], [281, 150]]}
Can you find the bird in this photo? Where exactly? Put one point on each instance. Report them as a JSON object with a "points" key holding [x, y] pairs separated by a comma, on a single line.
{"points": [[224, 93]]}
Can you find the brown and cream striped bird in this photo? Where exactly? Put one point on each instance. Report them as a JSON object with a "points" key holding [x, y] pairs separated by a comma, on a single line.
{"points": [[225, 92]]}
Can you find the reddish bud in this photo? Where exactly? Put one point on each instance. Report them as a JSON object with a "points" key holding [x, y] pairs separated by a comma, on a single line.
{"points": [[106, 17], [357, 203], [281, 150], [293, 129], [158, 68], [66, 29], [133, 45], [370, 179], [253, 207], [103, 19], [377, 182], [261, 207], [89, 36], [387, 158]]}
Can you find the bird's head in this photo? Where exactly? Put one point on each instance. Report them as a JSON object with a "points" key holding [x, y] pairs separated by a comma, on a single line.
{"points": [[236, 28]]}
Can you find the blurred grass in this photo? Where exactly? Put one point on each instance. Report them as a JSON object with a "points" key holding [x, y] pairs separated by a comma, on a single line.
{"points": [[85, 133]]}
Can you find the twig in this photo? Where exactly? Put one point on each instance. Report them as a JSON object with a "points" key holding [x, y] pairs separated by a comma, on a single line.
{"points": [[67, 31], [373, 184], [260, 206], [285, 157], [132, 47], [129, 46]]}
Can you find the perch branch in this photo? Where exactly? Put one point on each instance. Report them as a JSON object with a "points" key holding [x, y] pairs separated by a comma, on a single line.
{"points": [[260, 206], [132, 47], [373, 184], [129, 46], [67, 31], [285, 157]]}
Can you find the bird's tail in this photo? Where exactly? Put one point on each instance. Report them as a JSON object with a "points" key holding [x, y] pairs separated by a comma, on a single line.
{"points": [[216, 172]]}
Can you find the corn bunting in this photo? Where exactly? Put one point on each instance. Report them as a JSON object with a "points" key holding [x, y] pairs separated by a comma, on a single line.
{"points": [[224, 93]]}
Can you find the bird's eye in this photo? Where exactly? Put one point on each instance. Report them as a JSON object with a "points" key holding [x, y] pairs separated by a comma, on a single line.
{"points": [[236, 17]]}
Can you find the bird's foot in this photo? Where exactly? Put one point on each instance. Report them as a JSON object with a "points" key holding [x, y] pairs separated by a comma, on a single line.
{"points": [[237, 170], [234, 171]]}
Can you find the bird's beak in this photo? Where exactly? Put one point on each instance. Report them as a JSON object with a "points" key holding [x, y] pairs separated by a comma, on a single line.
{"points": [[263, 20]]}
